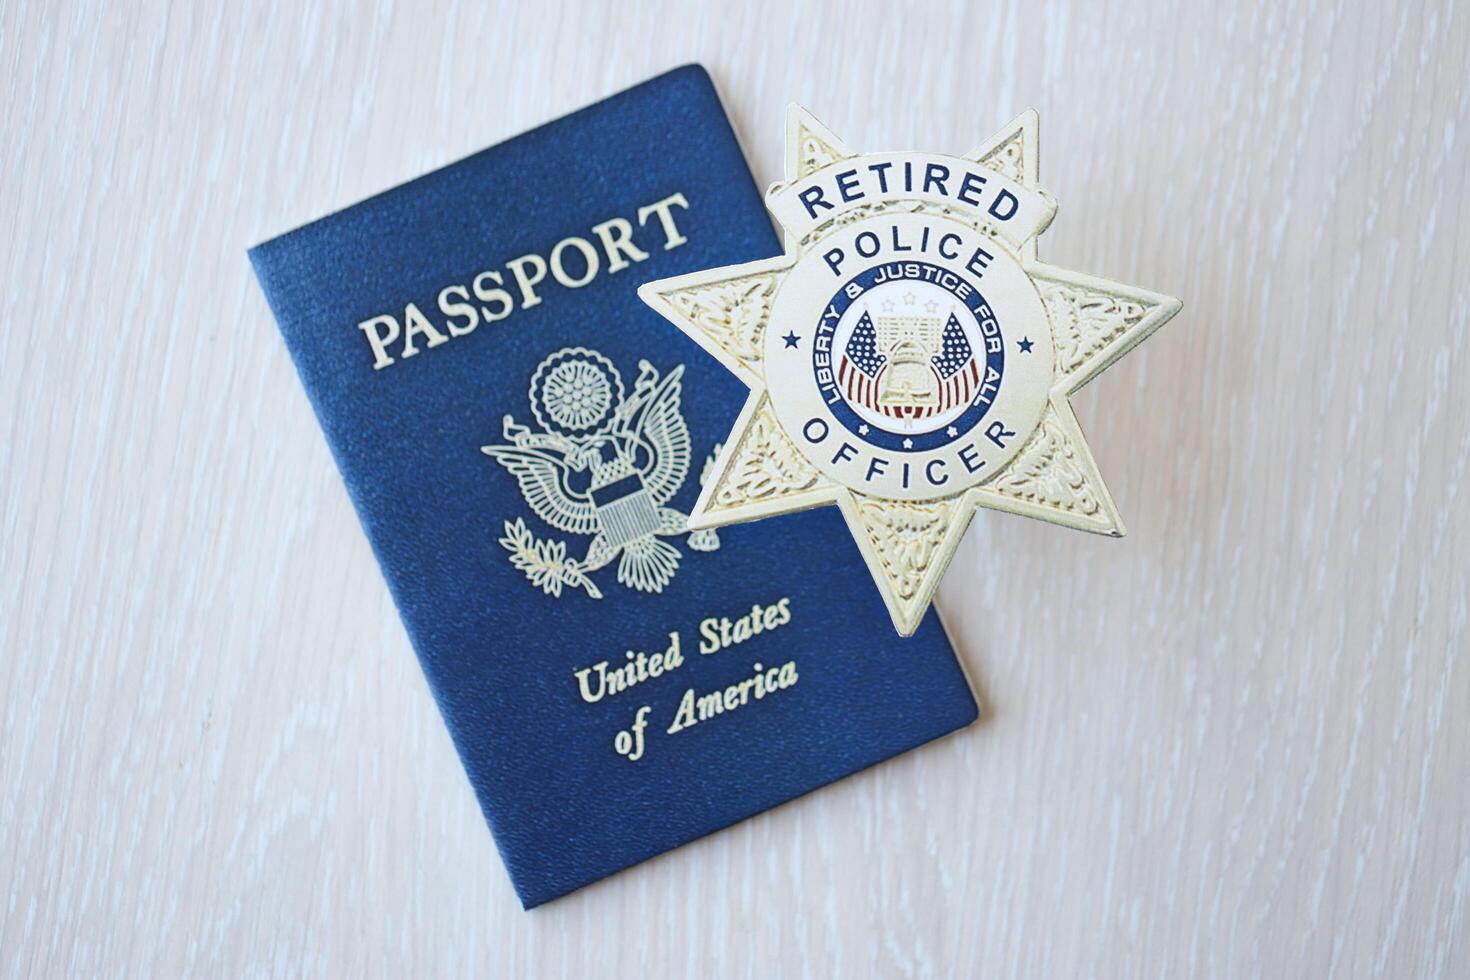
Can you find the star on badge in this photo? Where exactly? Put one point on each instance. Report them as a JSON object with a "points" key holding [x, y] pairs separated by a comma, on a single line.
{"points": [[942, 356]]}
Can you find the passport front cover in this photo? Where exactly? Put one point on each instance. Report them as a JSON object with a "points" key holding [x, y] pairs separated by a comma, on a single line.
{"points": [[523, 439]]}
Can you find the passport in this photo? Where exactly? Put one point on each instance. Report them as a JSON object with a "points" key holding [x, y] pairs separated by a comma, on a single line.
{"points": [[522, 439]]}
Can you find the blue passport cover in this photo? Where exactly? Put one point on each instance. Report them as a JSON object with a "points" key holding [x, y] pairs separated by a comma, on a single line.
{"points": [[522, 439]]}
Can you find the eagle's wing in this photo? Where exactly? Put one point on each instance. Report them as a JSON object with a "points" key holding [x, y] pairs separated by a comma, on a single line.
{"points": [[660, 427], [543, 483]]}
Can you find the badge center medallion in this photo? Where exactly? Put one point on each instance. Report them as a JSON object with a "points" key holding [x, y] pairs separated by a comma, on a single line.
{"points": [[907, 378]]}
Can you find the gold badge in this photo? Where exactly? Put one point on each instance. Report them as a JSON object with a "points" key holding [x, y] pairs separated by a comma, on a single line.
{"points": [[909, 357]]}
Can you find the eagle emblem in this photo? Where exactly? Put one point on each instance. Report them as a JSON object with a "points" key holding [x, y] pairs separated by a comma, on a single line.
{"points": [[600, 463]]}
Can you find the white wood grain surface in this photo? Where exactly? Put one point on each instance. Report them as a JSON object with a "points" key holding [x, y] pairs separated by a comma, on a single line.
{"points": [[1233, 744]]}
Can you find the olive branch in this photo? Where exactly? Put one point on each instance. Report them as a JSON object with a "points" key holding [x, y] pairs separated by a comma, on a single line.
{"points": [[545, 562]]}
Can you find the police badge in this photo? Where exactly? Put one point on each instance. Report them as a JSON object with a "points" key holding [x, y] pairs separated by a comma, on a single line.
{"points": [[909, 358]]}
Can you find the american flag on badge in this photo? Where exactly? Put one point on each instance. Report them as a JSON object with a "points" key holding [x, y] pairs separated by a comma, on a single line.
{"points": [[861, 364], [958, 373], [892, 367]]}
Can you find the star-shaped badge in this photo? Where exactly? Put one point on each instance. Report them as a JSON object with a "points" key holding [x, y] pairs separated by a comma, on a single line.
{"points": [[941, 359]]}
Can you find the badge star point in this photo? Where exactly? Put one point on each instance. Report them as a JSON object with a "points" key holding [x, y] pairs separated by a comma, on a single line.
{"points": [[1095, 321], [810, 146], [1054, 478], [724, 310]]}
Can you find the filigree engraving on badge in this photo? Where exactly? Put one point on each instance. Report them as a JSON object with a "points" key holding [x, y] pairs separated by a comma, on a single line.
{"points": [[1086, 322], [764, 466], [1007, 158], [910, 358], [818, 147], [1049, 472], [907, 537], [602, 463], [733, 312]]}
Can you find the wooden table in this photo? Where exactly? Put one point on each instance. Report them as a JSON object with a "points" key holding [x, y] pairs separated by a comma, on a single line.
{"points": [[1233, 744]]}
